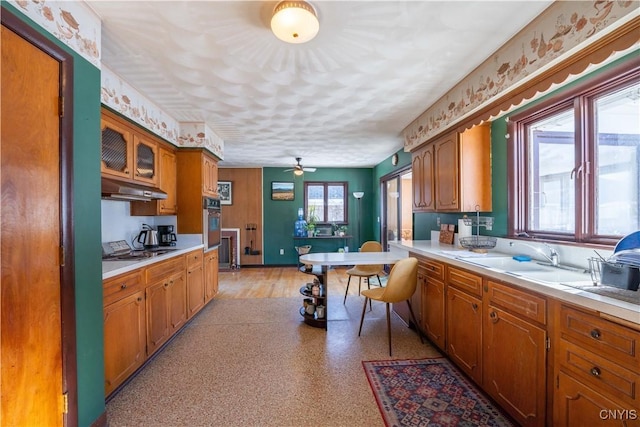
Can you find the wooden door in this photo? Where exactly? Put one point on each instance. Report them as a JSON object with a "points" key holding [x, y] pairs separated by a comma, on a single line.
{"points": [[577, 404], [514, 366], [433, 310], [168, 182], [157, 301], [428, 180], [447, 173], [195, 290], [464, 332], [117, 149], [177, 301], [145, 159], [124, 338], [211, 274], [31, 356]]}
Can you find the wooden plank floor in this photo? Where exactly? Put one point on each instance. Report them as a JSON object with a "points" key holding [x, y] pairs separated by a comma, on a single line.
{"points": [[279, 282]]}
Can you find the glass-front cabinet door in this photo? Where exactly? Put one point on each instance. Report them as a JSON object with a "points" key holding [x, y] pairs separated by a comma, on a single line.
{"points": [[117, 155], [146, 160]]}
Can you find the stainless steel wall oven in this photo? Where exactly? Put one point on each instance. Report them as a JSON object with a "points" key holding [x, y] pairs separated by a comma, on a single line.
{"points": [[212, 222]]}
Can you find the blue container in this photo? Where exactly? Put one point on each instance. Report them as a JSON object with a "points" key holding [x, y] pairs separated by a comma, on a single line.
{"points": [[300, 228]]}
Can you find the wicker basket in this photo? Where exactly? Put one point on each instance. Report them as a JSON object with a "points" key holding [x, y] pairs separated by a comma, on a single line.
{"points": [[478, 242]]}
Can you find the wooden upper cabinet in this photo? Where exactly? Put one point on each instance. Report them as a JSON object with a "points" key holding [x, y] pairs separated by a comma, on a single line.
{"points": [[128, 152], [145, 156], [210, 176], [117, 152], [197, 176], [453, 173], [167, 182]]}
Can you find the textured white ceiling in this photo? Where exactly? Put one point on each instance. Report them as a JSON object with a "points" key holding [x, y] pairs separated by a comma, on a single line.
{"points": [[340, 100]]}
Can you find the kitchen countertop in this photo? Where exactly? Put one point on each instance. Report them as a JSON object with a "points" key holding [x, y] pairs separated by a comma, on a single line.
{"points": [[450, 254], [115, 268]]}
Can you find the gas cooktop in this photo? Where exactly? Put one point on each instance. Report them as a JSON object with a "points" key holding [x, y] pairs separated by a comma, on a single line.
{"points": [[121, 251]]}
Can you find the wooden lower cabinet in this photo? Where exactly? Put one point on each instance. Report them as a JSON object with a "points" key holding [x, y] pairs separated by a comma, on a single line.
{"points": [[125, 339], [464, 332], [433, 310], [144, 308], [166, 309], [597, 370], [195, 283], [210, 275], [514, 356], [577, 404]]}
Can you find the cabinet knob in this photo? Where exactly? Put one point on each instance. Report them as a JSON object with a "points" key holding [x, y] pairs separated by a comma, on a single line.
{"points": [[595, 334], [166, 285], [474, 306], [494, 316], [123, 286], [486, 288], [139, 299], [595, 371]]}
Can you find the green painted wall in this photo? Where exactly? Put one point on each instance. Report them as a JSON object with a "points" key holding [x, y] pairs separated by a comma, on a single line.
{"points": [[86, 204], [280, 216]]}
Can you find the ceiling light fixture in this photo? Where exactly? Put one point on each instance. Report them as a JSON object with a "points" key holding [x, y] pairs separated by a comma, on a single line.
{"points": [[298, 172], [294, 21]]}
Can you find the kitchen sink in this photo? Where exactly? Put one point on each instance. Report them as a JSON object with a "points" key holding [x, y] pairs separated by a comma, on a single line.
{"points": [[533, 270], [507, 264], [553, 275]]}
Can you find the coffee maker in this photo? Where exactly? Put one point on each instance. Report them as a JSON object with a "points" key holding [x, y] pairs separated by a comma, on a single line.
{"points": [[166, 236]]}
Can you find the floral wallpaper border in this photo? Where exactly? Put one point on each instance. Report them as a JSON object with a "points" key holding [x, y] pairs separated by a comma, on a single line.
{"points": [[71, 22], [554, 34], [123, 98], [200, 135]]}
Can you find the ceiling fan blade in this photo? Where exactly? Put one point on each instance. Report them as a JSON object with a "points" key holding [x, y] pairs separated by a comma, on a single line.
{"points": [[309, 169], [288, 170]]}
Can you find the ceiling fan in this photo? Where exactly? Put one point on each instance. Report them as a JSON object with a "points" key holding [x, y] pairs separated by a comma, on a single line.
{"points": [[298, 169]]}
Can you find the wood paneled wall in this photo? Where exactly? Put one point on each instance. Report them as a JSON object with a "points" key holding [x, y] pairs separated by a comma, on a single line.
{"points": [[246, 208]]}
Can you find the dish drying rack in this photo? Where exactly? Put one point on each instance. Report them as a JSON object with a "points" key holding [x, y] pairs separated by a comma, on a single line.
{"points": [[477, 242]]}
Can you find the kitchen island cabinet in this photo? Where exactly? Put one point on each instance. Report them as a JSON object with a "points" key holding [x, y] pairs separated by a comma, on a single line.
{"points": [[124, 328]]}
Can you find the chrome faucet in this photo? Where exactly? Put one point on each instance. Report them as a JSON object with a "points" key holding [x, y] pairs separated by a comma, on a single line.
{"points": [[553, 254]]}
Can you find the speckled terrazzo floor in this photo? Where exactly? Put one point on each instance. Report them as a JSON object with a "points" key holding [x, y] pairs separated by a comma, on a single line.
{"points": [[253, 362]]}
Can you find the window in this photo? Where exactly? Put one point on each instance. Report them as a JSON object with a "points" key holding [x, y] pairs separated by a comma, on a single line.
{"points": [[326, 202], [575, 163]]}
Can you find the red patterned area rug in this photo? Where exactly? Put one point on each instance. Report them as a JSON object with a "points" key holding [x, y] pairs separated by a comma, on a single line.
{"points": [[429, 392]]}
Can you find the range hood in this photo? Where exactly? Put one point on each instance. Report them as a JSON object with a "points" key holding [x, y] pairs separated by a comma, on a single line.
{"points": [[119, 190]]}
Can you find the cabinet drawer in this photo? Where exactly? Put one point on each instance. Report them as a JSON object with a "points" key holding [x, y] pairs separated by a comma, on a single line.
{"points": [[163, 269], [465, 281], [194, 259], [518, 302], [121, 286], [618, 382], [615, 342], [432, 268]]}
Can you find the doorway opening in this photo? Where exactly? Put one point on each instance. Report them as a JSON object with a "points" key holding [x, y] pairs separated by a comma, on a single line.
{"points": [[397, 210]]}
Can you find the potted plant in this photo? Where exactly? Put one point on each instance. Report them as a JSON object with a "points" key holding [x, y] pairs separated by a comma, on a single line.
{"points": [[311, 229], [311, 222], [342, 230]]}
